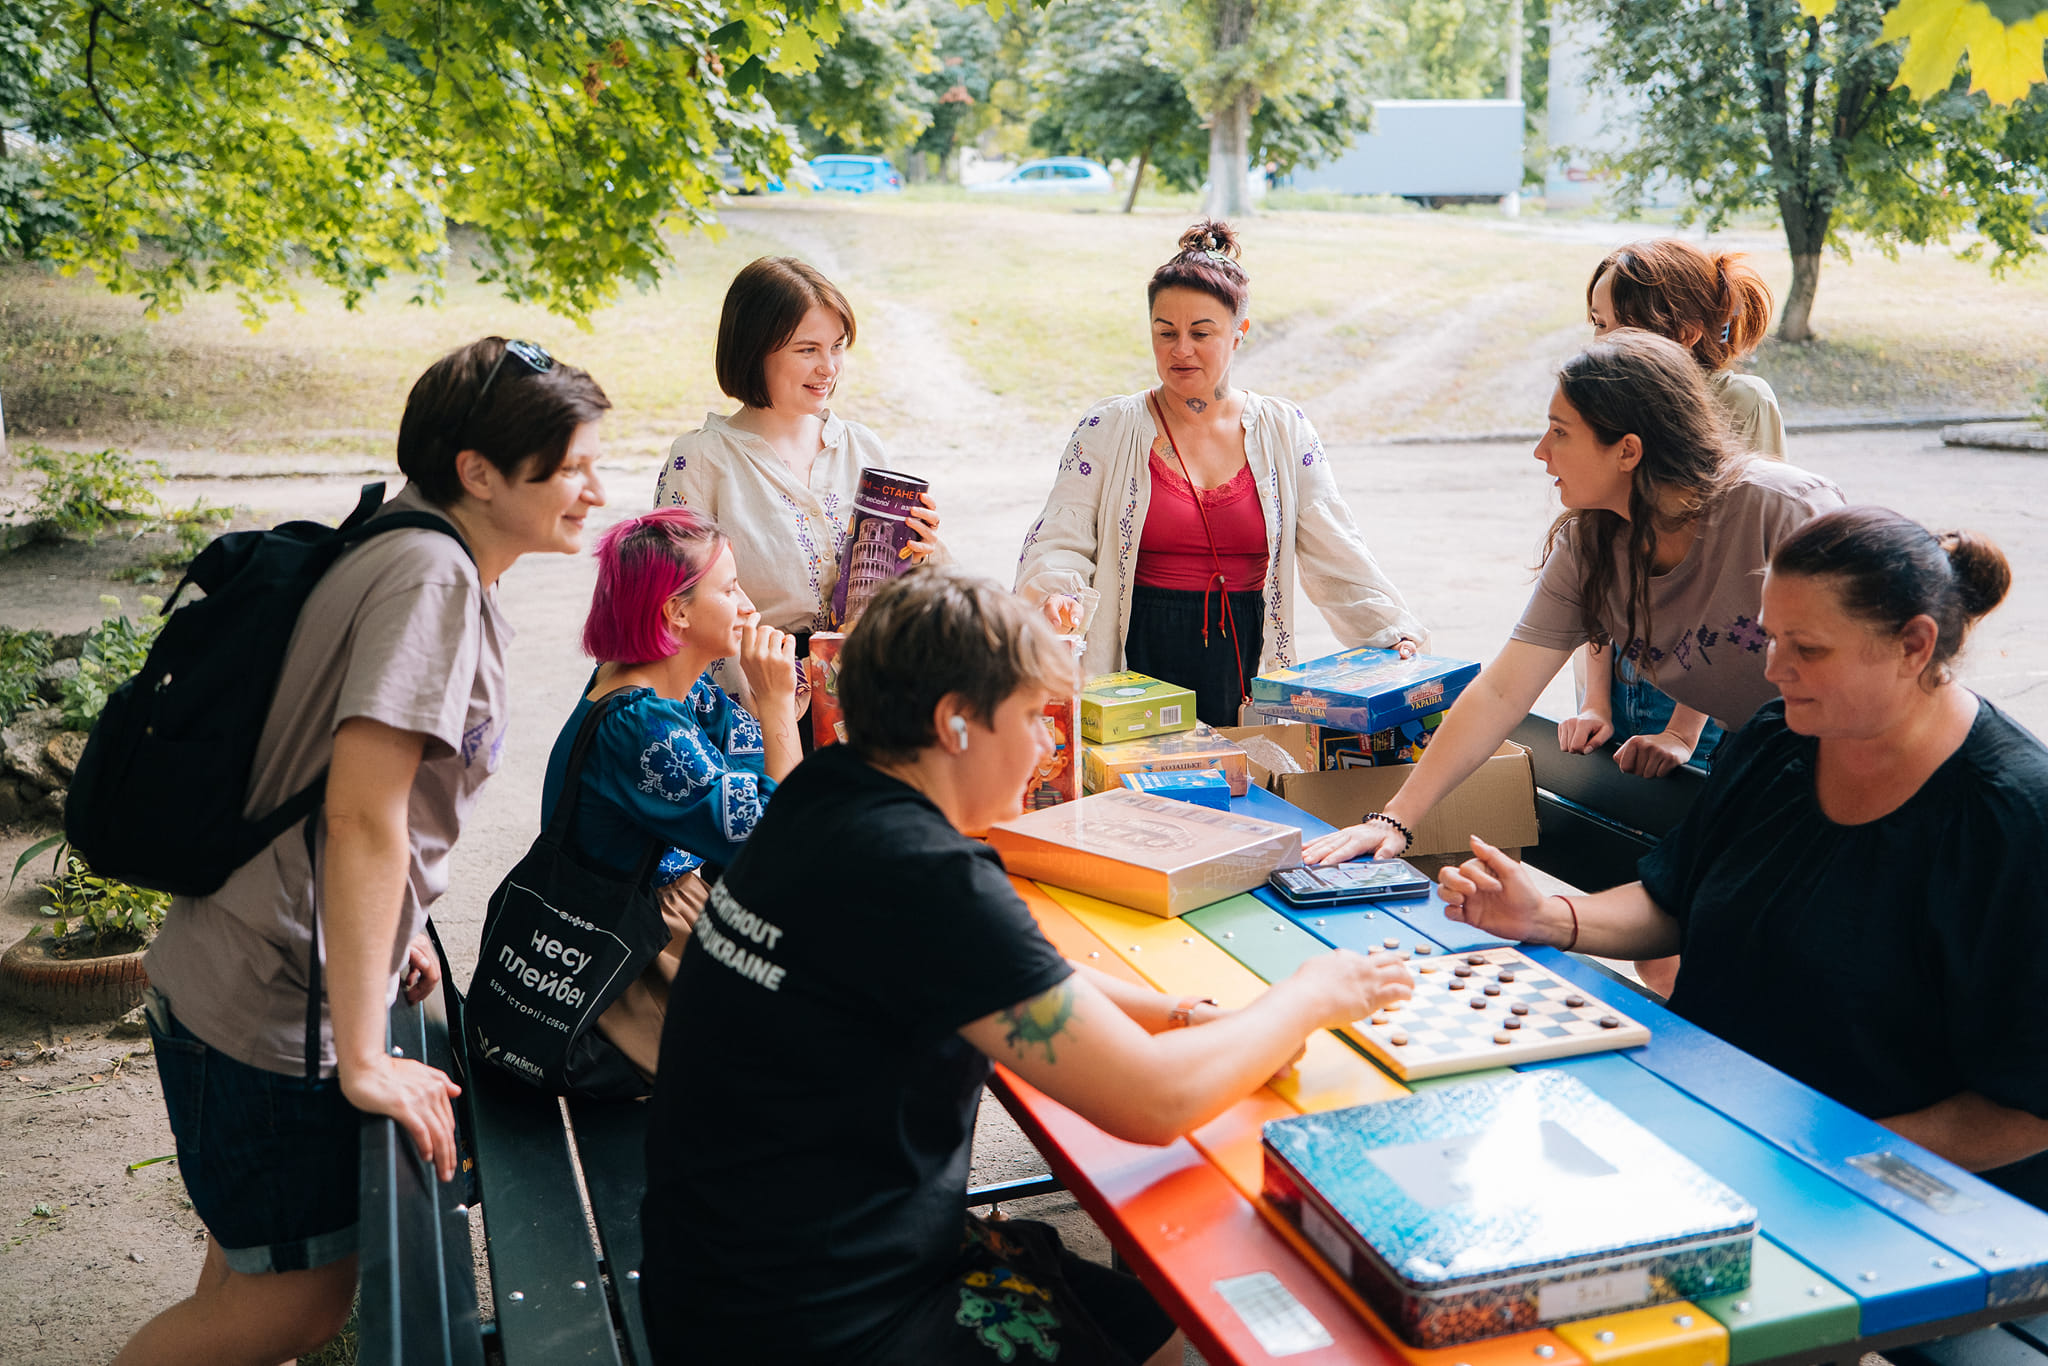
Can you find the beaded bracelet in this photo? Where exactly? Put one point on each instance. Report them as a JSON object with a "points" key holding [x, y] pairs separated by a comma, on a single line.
{"points": [[1406, 834]]}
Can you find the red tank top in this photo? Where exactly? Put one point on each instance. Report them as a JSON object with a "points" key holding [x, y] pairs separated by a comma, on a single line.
{"points": [[1173, 552]]}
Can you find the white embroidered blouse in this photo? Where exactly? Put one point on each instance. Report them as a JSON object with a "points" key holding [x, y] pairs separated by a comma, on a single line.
{"points": [[1088, 535], [787, 537]]}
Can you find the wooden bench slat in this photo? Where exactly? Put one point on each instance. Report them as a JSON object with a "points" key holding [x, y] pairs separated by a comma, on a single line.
{"points": [[611, 1140], [533, 1220], [416, 1284]]}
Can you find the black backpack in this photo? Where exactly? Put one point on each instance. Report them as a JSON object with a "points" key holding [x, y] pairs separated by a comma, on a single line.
{"points": [[157, 799]]}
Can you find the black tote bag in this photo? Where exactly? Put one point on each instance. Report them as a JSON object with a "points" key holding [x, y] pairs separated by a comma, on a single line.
{"points": [[562, 938]]}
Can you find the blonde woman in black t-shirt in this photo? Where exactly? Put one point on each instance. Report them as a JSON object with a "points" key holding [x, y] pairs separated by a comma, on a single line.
{"points": [[837, 1011], [1858, 888]]}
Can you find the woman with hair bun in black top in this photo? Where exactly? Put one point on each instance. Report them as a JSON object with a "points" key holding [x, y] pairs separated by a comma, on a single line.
{"points": [[1859, 890]]}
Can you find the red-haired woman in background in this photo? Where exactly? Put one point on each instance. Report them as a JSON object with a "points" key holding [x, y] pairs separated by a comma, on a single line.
{"points": [[1189, 508], [678, 760], [1716, 306]]}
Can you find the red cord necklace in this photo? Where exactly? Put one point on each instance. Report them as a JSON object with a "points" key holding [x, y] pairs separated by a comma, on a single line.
{"points": [[1218, 582]]}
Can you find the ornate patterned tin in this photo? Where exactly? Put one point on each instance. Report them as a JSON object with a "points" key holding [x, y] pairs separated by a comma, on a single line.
{"points": [[1465, 1211]]}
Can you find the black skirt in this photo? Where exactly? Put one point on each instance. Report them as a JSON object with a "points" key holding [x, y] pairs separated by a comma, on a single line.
{"points": [[1165, 641]]}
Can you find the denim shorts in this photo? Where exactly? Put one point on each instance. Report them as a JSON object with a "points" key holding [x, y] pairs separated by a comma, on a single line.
{"points": [[270, 1161], [1640, 708]]}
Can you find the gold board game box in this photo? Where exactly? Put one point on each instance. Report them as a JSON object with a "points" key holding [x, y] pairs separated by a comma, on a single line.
{"points": [[1147, 852], [1104, 766]]}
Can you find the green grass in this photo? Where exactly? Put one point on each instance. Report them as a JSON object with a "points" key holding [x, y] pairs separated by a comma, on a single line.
{"points": [[1379, 322]]}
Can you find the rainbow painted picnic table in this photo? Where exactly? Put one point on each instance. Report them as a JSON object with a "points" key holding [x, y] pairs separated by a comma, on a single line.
{"points": [[1867, 1241]]}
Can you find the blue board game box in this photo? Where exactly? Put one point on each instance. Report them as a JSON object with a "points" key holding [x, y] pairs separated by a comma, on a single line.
{"points": [[1202, 786], [1467, 1211], [1363, 690]]}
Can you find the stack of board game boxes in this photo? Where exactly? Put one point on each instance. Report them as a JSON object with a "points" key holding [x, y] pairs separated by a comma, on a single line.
{"points": [[1371, 707], [1132, 724]]}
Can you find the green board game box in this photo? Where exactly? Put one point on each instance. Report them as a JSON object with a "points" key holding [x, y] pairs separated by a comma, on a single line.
{"points": [[1131, 706]]}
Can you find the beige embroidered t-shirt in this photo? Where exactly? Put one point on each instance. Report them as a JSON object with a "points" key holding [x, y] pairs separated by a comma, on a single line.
{"points": [[1752, 412], [400, 631], [1704, 647], [787, 536]]}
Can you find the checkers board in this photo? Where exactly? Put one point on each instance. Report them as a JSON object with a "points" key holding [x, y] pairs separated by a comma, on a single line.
{"points": [[1489, 1008]]}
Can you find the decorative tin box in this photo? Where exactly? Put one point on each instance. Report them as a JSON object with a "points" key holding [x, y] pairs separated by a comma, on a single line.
{"points": [[1466, 1211], [1127, 705], [879, 548], [1103, 766], [821, 672], [1202, 786], [1058, 779], [1147, 852], [1362, 690]]}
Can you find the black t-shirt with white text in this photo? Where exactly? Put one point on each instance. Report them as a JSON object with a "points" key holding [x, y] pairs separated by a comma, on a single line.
{"points": [[809, 1135], [1888, 965]]}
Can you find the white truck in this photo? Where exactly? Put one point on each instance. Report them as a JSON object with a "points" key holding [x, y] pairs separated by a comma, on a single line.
{"points": [[1433, 152]]}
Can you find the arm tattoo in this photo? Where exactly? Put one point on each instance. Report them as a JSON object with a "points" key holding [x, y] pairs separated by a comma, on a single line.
{"points": [[1196, 405], [1040, 1020]]}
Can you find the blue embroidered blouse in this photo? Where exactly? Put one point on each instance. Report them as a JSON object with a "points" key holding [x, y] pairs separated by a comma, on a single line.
{"points": [[687, 772]]}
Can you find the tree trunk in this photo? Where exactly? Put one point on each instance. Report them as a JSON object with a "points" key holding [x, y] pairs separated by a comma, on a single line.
{"points": [[1794, 324], [1230, 188], [1138, 177], [1806, 232]]}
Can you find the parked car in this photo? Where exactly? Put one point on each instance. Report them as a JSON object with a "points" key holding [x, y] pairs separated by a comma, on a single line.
{"points": [[856, 175], [1052, 175]]}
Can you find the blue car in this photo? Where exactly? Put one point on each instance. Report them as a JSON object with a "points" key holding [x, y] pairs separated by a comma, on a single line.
{"points": [[856, 175]]}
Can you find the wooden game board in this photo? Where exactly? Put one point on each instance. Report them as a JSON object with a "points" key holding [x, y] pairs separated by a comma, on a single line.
{"points": [[1441, 1031]]}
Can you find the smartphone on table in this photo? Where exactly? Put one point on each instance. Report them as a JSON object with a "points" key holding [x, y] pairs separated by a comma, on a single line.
{"points": [[1360, 880]]}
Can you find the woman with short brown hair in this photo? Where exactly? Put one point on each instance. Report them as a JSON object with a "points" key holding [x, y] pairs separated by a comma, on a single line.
{"points": [[779, 476]]}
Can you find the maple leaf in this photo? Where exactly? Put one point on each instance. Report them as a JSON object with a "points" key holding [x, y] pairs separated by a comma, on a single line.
{"points": [[2004, 47]]}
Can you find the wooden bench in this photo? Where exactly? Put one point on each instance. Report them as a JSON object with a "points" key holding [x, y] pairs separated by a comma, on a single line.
{"points": [[537, 1163]]}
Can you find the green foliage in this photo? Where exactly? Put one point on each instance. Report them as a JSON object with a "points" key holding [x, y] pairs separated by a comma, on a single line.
{"points": [[866, 92], [2041, 398], [96, 908], [1444, 50], [83, 493], [967, 52], [22, 654], [113, 654], [177, 146], [1755, 105], [1111, 85]]}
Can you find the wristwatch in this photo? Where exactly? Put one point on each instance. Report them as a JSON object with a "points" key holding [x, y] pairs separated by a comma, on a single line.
{"points": [[1183, 1013]]}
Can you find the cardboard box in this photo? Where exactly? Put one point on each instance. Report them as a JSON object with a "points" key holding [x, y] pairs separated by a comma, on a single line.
{"points": [[1127, 705], [1402, 744], [1497, 803], [821, 672], [1058, 779], [1201, 786], [1363, 690], [1274, 747], [1146, 852], [1103, 766]]}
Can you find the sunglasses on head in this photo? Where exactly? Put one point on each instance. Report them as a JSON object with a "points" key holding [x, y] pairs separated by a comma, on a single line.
{"points": [[532, 358]]}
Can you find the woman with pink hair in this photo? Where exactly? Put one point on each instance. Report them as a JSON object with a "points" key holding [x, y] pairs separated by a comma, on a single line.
{"points": [[675, 760]]}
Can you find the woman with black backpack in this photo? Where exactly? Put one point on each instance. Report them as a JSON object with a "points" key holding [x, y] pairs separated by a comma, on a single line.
{"points": [[394, 686]]}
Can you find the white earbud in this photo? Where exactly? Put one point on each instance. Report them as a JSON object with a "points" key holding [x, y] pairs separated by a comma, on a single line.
{"points": [[958, 725]]}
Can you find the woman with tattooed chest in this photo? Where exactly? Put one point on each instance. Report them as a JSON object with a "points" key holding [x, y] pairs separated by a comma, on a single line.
{"points": [[1190, 507]]}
